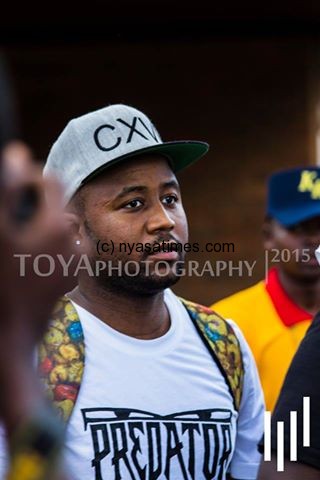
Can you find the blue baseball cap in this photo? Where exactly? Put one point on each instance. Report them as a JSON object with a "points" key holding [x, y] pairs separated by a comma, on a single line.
{"points": [[294, 195]]}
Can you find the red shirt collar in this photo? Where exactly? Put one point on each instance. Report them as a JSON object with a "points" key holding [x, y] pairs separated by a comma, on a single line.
{"points": [[289, 312]]}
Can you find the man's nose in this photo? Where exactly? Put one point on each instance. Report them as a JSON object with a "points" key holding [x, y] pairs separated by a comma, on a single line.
{"points": [[159, 219]]}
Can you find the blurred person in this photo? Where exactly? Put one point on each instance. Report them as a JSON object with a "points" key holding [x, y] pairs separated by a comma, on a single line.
{"points": [[302, 380], [28, 224], [150, 384], [16, 152], [275, 313]]}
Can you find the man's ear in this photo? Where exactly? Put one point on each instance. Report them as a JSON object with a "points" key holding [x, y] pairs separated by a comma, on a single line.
{"points": [[74, 223], [267, 233]]}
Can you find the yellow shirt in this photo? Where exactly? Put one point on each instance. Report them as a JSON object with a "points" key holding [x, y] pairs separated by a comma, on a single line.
{"points": [[273, 326]]}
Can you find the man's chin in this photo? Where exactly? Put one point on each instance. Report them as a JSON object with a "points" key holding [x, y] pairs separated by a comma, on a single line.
{"points": [[141, 278], [153, 284], [138, 285]]}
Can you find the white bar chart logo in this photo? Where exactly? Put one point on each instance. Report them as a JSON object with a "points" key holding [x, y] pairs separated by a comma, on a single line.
{"points": [[293, 435]]}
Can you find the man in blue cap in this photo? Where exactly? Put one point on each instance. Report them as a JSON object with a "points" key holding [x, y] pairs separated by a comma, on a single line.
{"points": [[275, 314]]}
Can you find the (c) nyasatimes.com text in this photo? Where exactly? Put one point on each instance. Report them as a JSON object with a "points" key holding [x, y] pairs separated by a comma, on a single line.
{"points": [[165, 246]]}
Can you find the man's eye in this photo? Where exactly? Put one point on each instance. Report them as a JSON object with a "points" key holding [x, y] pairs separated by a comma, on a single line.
{"points": [[133, 204], [170, 199]]}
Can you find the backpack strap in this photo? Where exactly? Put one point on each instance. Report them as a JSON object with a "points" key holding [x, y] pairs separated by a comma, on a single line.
{"points": [[223, 345], [62, 353], [61, 357]]}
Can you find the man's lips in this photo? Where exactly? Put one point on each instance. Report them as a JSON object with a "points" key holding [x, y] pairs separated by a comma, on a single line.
{"points": [[162, 255], [167, 252]]}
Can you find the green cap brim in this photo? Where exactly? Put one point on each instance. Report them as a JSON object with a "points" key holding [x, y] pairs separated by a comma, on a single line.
{"points": [[181, 154]]}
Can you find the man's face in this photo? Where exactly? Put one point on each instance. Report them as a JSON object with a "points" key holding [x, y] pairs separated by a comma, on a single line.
{"points": [[137, 202], [297, 244]]}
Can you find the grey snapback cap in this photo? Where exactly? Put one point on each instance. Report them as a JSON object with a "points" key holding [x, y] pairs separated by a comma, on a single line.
{"points": [[91, 143]]}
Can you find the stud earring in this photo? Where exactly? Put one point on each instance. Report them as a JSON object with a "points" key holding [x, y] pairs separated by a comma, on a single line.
{"points": [[77, 242]]}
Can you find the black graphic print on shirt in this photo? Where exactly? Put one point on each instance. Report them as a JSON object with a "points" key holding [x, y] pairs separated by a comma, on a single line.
{"points": [[133, 444]]}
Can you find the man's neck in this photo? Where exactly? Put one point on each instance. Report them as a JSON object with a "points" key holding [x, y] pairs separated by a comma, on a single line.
{"points": [[306, 294], [144, 317]]}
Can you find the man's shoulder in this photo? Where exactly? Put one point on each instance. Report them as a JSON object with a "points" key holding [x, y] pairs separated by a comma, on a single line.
{"points": [[213, 326], [222, 340], [199, 307], [204, 313]]}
